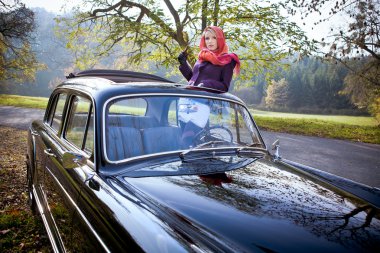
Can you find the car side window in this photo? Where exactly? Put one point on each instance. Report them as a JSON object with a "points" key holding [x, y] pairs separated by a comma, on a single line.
{"points": [[172, 113], [80, 116], [57, 119], [89, 144]]}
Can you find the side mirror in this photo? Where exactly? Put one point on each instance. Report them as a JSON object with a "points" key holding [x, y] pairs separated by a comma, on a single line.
{"points": [[72, 160], [276, 147]]}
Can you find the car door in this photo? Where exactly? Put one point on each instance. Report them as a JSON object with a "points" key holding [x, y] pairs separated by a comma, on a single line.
{"points": [[67, 131], [78, 137], [55, 210]]}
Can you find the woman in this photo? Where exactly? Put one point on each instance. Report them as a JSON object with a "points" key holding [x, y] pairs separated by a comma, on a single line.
{"points": [[215, 66]]}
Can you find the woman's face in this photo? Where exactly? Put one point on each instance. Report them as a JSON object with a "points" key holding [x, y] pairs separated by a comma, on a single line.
{"points": [[211, 42]]}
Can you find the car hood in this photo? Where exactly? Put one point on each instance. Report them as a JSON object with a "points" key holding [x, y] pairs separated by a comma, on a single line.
{"points": [[264, 206]]}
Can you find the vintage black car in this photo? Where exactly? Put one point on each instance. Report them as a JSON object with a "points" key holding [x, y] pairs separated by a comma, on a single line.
{"points": [[129, 162]]}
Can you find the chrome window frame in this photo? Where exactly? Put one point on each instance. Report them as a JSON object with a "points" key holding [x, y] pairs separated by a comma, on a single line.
{"points": [[58, 136]]}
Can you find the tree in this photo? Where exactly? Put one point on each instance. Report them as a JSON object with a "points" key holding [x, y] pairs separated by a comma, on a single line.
{"points": [[360, 87], [159, 30], [357, 39], [17, 61], [277, 94], [250, 95]]}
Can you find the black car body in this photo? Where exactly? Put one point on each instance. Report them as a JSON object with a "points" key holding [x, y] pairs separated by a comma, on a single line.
{"points": [[129, 162]]}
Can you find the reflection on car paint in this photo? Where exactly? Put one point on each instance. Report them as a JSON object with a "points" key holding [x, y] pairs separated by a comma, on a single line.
{"points": [[288, 202]]}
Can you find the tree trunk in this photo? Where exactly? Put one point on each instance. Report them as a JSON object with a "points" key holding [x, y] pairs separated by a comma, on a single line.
{"points": [[216, 13], [204, 14]]}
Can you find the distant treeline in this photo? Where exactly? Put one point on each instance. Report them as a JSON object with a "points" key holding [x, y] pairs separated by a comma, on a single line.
{"points": [[307, 86]]}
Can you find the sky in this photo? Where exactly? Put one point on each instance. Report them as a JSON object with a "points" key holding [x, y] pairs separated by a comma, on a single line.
{"points": [[314, 32], [49, 5]]}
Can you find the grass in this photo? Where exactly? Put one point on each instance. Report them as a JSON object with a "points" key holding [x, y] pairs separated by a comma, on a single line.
{"points": [[321, 128], [23, 101], [22, 232], [355, 128], [349, 120]]}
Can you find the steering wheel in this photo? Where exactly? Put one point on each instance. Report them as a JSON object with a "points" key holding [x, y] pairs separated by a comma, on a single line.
{"points": [[217, 132]]}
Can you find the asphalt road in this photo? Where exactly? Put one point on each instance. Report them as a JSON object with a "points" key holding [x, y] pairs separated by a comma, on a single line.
{"points": [[359, 162]]}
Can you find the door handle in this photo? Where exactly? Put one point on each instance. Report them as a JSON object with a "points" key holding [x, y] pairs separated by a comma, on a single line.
{"points": [[49, 153]]}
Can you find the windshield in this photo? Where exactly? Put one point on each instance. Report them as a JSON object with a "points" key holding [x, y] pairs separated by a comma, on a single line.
{"points": [[141, 126]]}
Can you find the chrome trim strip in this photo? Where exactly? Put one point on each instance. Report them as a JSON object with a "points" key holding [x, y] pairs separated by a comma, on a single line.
{"points": [[79, 211], [156, 95], [44, 220]]}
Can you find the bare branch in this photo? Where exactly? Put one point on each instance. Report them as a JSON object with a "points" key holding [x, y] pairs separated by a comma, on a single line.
{"points": [[143, 11], [110, 8]]}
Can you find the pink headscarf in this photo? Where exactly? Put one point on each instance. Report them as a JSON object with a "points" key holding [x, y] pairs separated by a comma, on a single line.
{"points": [[220, 56]]}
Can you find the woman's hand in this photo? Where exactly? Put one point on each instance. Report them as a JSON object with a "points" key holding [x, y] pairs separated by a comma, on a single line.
{"points": [[182, 57]]}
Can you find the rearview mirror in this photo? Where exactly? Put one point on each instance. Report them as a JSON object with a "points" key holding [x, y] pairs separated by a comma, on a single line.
{"points": [[72, 160]]}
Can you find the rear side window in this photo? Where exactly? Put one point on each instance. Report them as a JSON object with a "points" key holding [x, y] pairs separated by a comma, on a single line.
{"points": [[89, 144], [79, 127], [56, 118], [173, 114]]}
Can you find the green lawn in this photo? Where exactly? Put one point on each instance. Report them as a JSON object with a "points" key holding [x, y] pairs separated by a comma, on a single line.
{"points": [[23, 101], [349, 120], [320, 128], [355, 128]]}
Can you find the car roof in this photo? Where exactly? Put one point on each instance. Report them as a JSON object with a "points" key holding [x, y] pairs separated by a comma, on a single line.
{"points": [[119, 76], [104, 84]]}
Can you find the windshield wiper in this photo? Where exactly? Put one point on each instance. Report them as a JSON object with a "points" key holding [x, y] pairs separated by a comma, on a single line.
{"points": [[250, 146], [182, 155], [253, 148], [245, 150]]}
